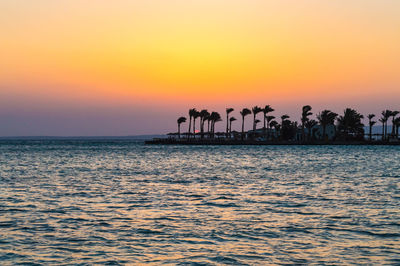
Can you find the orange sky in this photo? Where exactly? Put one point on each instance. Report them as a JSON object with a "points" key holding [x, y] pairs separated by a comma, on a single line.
{"points": [[123, 56]]}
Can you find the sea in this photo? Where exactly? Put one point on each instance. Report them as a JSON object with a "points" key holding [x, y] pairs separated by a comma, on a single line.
{"points": [[120, 201]]}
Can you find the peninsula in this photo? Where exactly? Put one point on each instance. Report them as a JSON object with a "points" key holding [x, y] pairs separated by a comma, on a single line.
{"points": [[329, 128]]}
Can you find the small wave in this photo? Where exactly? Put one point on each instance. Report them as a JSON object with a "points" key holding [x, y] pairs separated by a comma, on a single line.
{"points": [[297, 229], [221, 205], [149, 232], [364, 232], [224, 259], [8, 223]]}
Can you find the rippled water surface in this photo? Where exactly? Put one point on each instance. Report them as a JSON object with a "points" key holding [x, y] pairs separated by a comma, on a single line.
{"points": [[67, 202]]}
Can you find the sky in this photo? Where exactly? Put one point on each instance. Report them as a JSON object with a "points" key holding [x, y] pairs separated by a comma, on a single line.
{"points": [[101, 68]]}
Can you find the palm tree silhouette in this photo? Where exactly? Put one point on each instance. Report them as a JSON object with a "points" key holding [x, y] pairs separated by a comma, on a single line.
{"points": [[180, 120], [195, 116], [309, 124], [326, 117], [283, 118], [228, 111], [207, 118], [385, 117], [191, 113], [269, 118], [371, 124], [394, 114], [383, 121], [350, 125], [204, 114], [214, 117], [306, 112], [208, 125], [244, 113], [275, 125], [267, 109], [230, 123], [255, 111]]}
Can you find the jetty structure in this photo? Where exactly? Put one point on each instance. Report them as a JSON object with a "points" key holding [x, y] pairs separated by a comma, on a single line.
{"points": [[328, 128]]}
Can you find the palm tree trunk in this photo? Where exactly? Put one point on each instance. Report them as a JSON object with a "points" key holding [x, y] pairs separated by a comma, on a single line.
{"points": [[370, 133], [190, 125], [194, 127], [227, 124], [230, 128], [201, 127], [264, 128], [254, 123], [323, 131], [383, 131], [208, 127], [393, 129], [242, 127], [264, 122]]}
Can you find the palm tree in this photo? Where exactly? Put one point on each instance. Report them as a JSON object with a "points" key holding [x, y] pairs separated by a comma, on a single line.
{"points": [[228, 111], [208, 124], [255, 110], [214, 117], [230, 123], [383, 121], [211, 121], [195, 116], [371, 124], [269, 119], [275, 125], [326, 117], [385, 117], [180, 120], [204, 114], [267, 109], [306, 112], [350, 125], [244, 113], [309, 124], [394, 114], [283, 118], [191, 113], [255, 122]]}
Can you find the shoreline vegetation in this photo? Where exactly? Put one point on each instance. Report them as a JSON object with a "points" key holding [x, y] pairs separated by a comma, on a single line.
{"points": [[328, 128]]}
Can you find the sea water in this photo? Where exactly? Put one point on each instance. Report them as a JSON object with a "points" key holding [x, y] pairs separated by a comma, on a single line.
{"points": [[121, 202]]}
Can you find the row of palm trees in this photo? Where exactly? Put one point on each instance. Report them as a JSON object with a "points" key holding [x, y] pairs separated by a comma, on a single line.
{"points": [[386, 115], [349, 125]]}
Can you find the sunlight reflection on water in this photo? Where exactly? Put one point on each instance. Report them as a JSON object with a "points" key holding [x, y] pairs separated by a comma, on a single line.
{"points": [[124, 202]]}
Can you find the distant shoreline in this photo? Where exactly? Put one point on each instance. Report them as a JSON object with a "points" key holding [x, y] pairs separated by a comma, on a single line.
{"points": [[264, 143], [135, 137]]}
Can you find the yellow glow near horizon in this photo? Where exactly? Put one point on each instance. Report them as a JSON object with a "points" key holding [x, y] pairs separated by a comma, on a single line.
{"points": [[206, 49]]}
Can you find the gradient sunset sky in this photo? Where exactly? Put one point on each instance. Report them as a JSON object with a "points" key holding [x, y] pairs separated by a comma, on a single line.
{"points": [[78, 68]]}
